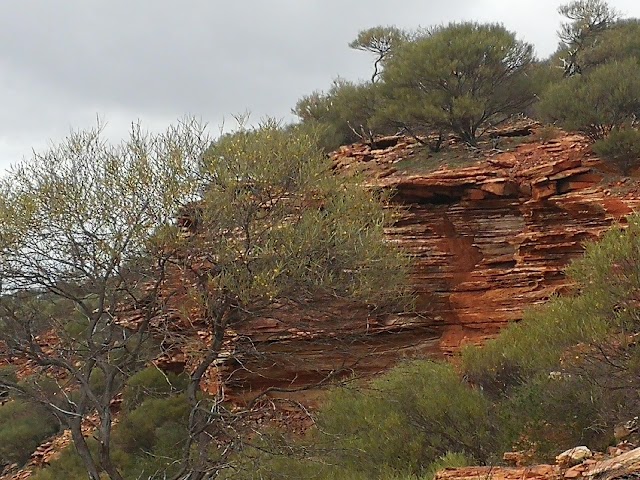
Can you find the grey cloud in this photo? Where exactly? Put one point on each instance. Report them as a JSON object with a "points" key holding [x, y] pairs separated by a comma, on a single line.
{"points": [[63, 62]]}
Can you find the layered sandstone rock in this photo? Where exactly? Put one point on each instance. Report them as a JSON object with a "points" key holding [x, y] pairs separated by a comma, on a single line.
{"points": [[487, 240], [493, 238]]}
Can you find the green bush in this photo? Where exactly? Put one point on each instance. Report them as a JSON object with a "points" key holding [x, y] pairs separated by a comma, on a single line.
{"points": [[409, 418], [619, 42], [145, 427], [534, 346], [148, 440], [23, 426], [343, 113], [152, 383], [67, 466], [461, 78], [596, 103], [621, 147]]}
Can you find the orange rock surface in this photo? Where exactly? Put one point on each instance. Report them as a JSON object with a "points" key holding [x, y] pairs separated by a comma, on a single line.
{"points": [[492, 238], [488, 240]]}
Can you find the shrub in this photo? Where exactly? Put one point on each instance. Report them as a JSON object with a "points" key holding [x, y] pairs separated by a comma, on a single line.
{"points": [[343, 113], [147, 441], [67, 466], [152, 383], [141, 428], [596, 103], [535, 345], [621, 147], [619, 42], [23, 426], [409, 418]]}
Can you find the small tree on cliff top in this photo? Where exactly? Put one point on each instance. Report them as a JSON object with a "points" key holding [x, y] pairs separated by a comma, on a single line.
{"points": [[599, 102], [462, 77], [587, 18], [381, 41]]}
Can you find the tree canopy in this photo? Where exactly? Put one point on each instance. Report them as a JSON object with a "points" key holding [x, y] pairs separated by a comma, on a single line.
{"points": [[596, 103], [462, 77], [380, 41], [89, 233]]}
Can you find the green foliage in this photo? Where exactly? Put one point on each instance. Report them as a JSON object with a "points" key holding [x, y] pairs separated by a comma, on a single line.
{"points": [[619, 42], [407, 417], [380, 41], [152, 383], [587, 18], [148, 441], [462, 77], [543, 75], [297, 229], [67, 466], [344, 113], [23, 426], [156, 423], [534, 346], [622, 147], [595, 103]]}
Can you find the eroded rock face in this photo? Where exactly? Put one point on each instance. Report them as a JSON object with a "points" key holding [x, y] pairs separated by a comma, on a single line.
{"points": [[488, 240], [493, 238]]}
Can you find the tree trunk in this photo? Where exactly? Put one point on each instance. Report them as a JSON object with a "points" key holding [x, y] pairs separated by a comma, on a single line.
{"points": [[83, 449], [105, 445]]}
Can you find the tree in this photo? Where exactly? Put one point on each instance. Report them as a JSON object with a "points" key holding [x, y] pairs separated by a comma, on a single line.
{"points": [[381, 41], [620, 42], [622, 147], [588, 19], [88, 239], [274, 226], [461, 78], [345, 111], [83, 229], [596, 103]]}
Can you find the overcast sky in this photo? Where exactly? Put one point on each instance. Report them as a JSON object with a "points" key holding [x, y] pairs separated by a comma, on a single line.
{"points": [[65, 62]]}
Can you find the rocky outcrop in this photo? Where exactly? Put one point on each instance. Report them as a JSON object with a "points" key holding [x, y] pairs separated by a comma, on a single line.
{"points": [[487, 240], [493, 238]]}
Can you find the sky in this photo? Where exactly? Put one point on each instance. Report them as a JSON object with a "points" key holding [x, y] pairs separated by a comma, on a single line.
{"points": [[66, 63]]}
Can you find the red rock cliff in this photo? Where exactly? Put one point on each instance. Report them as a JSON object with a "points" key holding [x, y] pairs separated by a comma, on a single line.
{"points": [[488, 240], [493, 238]]}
